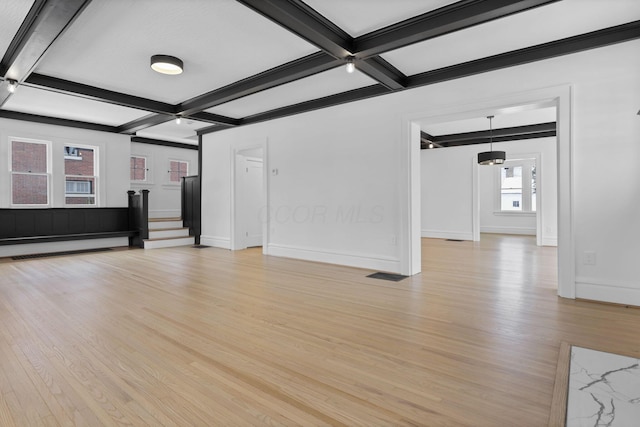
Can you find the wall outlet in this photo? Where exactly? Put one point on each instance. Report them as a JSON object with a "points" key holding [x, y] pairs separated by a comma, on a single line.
{"points": [[589, 258]]}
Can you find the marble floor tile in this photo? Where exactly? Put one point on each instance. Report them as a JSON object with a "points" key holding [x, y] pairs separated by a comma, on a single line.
{"points": [[604, 390]]}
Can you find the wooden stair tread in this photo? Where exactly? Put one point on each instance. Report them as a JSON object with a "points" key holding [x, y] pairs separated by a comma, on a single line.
{"points": [[169, 238], [164, 219]]}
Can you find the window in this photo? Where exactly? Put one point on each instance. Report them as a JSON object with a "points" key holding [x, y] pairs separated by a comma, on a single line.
{"points": [[517, 186], [177, 169], [138, 167], [80, 175], [30, 173]]}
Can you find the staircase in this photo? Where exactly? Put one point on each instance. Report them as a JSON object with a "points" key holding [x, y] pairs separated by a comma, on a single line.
{"points": [[167, 232]]}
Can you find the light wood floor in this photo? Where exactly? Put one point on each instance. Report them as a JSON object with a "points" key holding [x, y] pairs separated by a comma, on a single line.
{"points": [[209, 337]]}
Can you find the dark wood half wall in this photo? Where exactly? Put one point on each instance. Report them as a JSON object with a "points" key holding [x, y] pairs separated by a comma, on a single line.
{"points": [[59, 224]]}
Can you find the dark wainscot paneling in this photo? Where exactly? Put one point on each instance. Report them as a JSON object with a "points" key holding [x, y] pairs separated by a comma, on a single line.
{"points": [[59, 224]]}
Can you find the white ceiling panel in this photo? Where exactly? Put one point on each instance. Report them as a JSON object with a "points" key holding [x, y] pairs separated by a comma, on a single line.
{"points": [[540, 25], [317, 86], [12, 13], [183, 132], [53, 104], [220, 42], [358, 17], [509, 118]]}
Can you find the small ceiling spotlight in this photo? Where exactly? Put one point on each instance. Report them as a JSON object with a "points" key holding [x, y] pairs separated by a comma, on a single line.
{"points": [[351, 66], [166, 64], [178, 120], [431, 145], [12, 85]]}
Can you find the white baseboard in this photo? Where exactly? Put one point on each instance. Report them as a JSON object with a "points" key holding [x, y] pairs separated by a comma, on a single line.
{"points": [[71, 245], [439, 234], [216, 242], [549, 241], [165, 213], [598, 290], [528, 231], [372, 262]]}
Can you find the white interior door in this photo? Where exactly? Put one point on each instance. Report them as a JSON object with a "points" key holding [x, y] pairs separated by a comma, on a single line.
{"points": [[252, 204]]}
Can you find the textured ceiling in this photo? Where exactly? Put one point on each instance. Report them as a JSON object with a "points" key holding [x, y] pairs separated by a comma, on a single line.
{"points": [[220, 41], [13, 13], [247, 59], [316, 86], [540, 25], [358, 17]]}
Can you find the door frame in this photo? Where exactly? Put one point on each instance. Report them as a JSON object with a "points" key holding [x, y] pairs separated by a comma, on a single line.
{"points": [[561, 97], [235, 232]]}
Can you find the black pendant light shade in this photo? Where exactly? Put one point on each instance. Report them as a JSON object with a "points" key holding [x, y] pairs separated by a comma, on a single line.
{"points": [[491, 157]]}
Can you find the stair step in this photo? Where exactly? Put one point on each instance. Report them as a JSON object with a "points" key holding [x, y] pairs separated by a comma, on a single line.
{"points": [[165, 224], [164, 233], [168, 242], [175, 218]]}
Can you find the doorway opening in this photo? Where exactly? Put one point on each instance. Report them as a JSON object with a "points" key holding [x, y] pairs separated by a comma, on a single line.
{"points": [[557, 97], [249, 197]]}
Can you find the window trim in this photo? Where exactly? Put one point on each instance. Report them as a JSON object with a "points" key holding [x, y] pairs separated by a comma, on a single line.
{"points": [[48, 173], [95, 176], [168, 180], [146, 179], [526, 162]]}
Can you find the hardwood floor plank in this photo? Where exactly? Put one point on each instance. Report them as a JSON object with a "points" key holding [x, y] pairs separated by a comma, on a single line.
{"points": [[183, 336]]}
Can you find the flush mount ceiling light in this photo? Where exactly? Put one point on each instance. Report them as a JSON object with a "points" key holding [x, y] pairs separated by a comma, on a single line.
{"points": [[491, 157], [351, 66], [167, 64]]}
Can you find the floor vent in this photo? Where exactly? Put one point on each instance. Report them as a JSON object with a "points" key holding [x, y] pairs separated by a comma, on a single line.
{"points": [[454, 240], [388, 276], [81, 251]]}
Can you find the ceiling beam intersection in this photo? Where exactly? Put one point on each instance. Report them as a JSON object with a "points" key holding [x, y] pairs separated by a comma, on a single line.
{"points": [[595, 39], [305, 22]]}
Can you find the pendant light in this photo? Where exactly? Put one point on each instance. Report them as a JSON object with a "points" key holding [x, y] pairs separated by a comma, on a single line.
{"points": [[491, 157]]}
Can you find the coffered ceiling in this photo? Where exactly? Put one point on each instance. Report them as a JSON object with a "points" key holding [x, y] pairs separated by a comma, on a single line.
{"points": [[86, 63]]}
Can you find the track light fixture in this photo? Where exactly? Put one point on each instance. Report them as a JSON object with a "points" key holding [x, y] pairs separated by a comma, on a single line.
{"points": [[351, 65], [491, 157], [11, 87], [166, 64]]}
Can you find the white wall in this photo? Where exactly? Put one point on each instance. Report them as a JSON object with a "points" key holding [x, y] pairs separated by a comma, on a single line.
{"points": [[330, 201], [164, 196], [348, 155], [447, 186], [113, 167]]}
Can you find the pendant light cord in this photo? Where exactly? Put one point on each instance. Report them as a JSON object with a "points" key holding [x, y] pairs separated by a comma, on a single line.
{"points": [[490, 132]]}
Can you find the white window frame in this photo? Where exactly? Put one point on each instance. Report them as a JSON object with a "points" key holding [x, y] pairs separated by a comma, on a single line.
{"points": [[96, 176], [48, 174], [174, 183], [146, 169], [526, 164]]}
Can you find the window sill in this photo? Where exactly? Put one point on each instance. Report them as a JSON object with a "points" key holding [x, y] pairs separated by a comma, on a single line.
{"points": [[513, 213]]}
